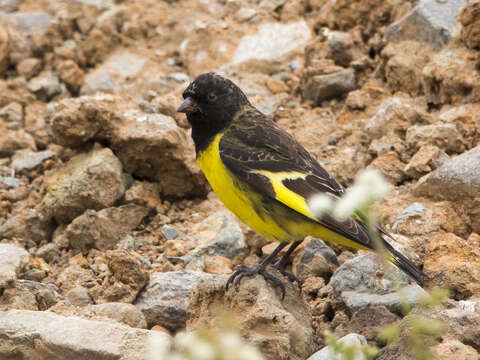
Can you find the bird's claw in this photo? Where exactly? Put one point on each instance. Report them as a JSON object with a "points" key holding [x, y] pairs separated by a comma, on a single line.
{"points": [[243, 271], [292, 278]]}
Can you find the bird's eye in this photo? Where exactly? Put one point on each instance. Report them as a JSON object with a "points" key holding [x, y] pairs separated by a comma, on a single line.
{"points": [[212, 96]]}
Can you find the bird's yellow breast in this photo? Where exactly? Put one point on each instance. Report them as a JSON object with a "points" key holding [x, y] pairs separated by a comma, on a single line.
{"points": [[237, 196]]}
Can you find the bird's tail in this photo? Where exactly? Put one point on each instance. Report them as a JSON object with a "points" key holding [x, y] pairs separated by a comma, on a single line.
{"points": [[406, 265]]}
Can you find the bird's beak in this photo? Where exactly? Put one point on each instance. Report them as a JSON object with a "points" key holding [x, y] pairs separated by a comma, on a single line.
{"points": [[187, 106]]}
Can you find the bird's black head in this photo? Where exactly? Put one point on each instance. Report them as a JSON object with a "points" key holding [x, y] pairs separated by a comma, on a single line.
{"points": [[211, 102]]}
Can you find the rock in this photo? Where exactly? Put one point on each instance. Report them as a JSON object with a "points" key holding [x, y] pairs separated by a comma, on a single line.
{"points": [[272, 42], [29, 295], [469, 17], [165, 104], [144, 193], [10, 5], [245, 14], [127, 275], [45, 86], [431, 22], [451, 77], [12, 261], [219, 234], [394, 115], [48, 252], [328, 353], [404, 63], [178, 77], [97, 81], [457, 324], [256, 303], [13, 115], [79, 296], [452, 349], [316, 259], [169, 232], [218, 265], [92, 180], [71, 74], [150, 146], [7, 182], [457, 179], [415, 210], [124, 63], [13, 140], [426, 159], [445, 136], [31, 226], [369, 321], [394, 301], [23, 161], [35, 275], [75, 274], [390, 166], [453, 263], [367, 274], [43, 334], [105, 228], [339, 47], [325, 87], [165, 299], [127, 314], [29, 67], [31, 22]]}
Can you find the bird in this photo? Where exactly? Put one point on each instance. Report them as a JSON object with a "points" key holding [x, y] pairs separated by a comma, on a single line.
{"points": [[265, 177]]}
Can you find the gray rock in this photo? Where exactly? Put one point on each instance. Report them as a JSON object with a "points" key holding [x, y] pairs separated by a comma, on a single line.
{"points": [[97, 81], [26, 160], [272, 42], [365, 274], [45, 86], [13, 115], [31, 23], [105, 228], [30, 295], [414, 210], [328, 353], [98, 4], [178, 77], [431, 21], [88, 181], [165, 299], [127, 314], [339, 45], [410, 295], [36, 335], [169, 232], [79, 296], [48, 252], [324, 87], [12, 260], [457, 179], [9, 182], [377, 125], [35, 275], [124, 64], [10, 5], [218, 235], [445, 136], [317, 259]]}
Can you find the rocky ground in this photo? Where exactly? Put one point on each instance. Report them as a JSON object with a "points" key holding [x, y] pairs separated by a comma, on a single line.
{"points": [[109, 230]]}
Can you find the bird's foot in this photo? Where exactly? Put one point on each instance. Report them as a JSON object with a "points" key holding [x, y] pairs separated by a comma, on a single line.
{"points": [[243, 271], [292, 278]]}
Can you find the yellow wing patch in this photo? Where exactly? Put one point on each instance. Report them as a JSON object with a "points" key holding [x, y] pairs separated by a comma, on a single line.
{"points": [[284, 194]]}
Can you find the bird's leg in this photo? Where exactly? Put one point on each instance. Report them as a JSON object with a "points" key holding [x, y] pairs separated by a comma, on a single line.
{"points": [[280, 264], [243, 271]]}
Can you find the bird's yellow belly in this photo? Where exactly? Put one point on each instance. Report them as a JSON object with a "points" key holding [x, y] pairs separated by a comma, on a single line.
{"points": [[237, 195]]}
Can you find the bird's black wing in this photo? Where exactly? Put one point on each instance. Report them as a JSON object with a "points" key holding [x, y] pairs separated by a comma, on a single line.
{"points": [[266, 157]]}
